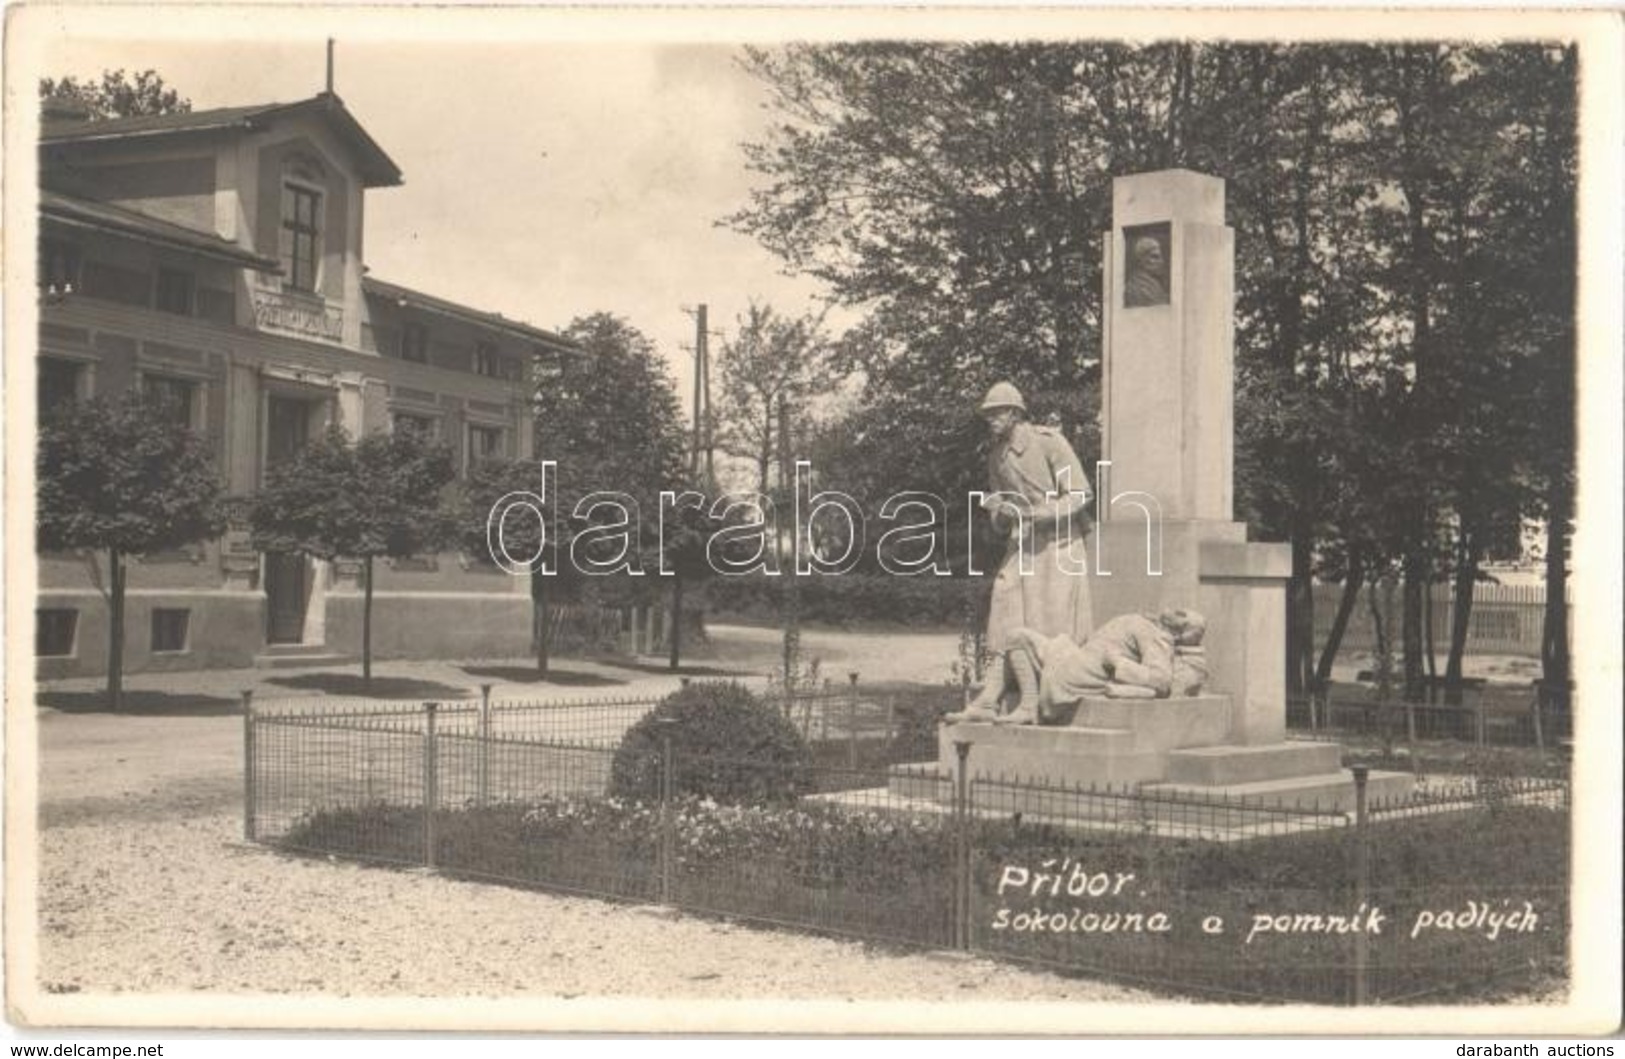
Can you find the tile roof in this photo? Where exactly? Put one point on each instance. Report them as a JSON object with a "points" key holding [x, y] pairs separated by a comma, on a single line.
{"points": [[377, 168], [416, 299], [193, 120], [103, 216]]}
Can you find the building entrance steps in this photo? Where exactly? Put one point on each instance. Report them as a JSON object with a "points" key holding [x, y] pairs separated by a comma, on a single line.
{"points": [[299, 656]]}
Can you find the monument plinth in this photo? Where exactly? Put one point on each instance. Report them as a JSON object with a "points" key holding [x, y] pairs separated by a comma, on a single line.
{"points": [[1167, 430], [1166, 537]]}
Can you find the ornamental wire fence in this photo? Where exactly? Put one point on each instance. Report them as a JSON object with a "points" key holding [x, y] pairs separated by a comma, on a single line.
{"points": [[1459, 889]]}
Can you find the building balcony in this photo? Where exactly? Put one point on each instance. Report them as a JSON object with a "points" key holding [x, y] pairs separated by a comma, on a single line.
{"points": [[88, 326]]}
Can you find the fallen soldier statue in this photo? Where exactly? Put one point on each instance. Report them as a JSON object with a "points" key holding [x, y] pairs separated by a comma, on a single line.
{"points": [[1133, 656]]}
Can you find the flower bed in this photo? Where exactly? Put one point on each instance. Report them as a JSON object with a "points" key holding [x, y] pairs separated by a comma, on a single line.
{"points": [[891, 876]]}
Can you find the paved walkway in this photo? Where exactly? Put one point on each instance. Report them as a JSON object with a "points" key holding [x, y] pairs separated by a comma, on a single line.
{"points": [[220, 690], [734, 652]]}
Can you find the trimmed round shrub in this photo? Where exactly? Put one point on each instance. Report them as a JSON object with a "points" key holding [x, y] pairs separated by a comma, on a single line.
{"points": [[726, 745]]}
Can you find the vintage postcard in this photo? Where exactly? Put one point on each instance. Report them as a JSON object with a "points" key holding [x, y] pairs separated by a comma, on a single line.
{"points": [[785, 520]]}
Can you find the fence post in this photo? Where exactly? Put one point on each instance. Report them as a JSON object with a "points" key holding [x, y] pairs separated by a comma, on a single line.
{"points": [[962, 859], [431, 780], [1478, 716], [1362, 885], [1534, 710], [249, 808], [484, 792], [666, 788], [852, 720]]}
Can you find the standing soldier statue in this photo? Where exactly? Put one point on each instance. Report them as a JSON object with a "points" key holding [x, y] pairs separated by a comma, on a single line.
{"points": [[1039, 492]]}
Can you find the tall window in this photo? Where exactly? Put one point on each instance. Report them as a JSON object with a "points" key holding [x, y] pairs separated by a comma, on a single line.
{"points": [[58, 384], [301, 236], [484, 443], [174, 291], [486, 361], [287, 428], [415, 343], [58, 267], [177, 397]]}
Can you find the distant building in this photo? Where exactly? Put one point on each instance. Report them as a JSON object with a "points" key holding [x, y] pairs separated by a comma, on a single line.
{"points": [[216, 257]]}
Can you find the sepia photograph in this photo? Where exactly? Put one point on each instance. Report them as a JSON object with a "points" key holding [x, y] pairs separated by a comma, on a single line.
{"points": [[811, 521]]}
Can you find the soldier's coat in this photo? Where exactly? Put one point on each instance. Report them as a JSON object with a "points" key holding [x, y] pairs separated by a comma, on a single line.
{"points": [[1037, 464]]}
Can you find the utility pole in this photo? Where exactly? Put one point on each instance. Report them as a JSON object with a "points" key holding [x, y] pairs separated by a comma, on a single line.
{"points": [[701, 456], [697, 441], [705, 388], [329, 65], [792, 590]]}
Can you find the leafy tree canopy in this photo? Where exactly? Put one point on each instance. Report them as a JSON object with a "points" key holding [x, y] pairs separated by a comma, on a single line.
{"points": [[380, 496], [117, 94], [116, 474]]}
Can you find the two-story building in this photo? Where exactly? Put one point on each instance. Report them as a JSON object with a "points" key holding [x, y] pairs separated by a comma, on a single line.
{"points": [[216, 257]]}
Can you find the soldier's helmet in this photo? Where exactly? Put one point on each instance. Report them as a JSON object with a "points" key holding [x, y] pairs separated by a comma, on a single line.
{"points": [[1002, 395]]}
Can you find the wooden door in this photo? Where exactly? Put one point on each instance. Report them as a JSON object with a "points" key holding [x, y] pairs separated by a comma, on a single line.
{"points": [[285, 597]]}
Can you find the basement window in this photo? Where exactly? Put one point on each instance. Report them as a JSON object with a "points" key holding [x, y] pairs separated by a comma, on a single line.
{"points": [[169, 628], [54, 631]]}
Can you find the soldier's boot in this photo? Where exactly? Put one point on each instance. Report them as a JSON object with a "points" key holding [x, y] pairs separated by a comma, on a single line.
{"points": [[985, 707], [1026, 674]]}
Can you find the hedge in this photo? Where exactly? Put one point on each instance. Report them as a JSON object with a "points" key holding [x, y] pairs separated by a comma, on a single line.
{"points": [[922, 601]]}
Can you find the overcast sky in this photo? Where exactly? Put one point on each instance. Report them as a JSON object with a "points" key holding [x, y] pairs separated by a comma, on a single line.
{"points": [[542, 180]]}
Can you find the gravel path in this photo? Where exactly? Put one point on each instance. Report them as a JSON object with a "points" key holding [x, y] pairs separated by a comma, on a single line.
{"points": [[145, 886], [180, 905]]}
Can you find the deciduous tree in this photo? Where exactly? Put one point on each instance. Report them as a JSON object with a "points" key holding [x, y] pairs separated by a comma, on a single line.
{"points": [[117, 94], [379, 496], [123, 477]]}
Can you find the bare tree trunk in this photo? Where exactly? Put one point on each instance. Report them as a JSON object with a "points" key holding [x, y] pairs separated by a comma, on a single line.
{"points": [[1467, 554], [1382, 624], [1340, 621], [1300, 613], [675, 635], [765, 454], [1554, 638], [1411, 617], [541, 628], [115, 630], [1428, 653], [366, 628], [792, 594]]}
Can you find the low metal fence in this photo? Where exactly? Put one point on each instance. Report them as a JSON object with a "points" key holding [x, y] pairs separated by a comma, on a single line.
{"points": [[1461, 884], [1480, 720]]}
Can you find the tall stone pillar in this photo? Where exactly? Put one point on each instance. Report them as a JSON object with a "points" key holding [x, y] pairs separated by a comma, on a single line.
{"points": [[1168, 367], [1166, 534]]}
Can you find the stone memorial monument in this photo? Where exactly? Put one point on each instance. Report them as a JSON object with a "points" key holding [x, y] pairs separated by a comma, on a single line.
{"points": [[1166, 540], [1037, 494]]}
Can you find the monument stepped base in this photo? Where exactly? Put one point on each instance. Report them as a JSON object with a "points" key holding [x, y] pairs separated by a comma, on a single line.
{"points": [[1213, 766], [1156, 747], [1022, 752], [1328, 792]]}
